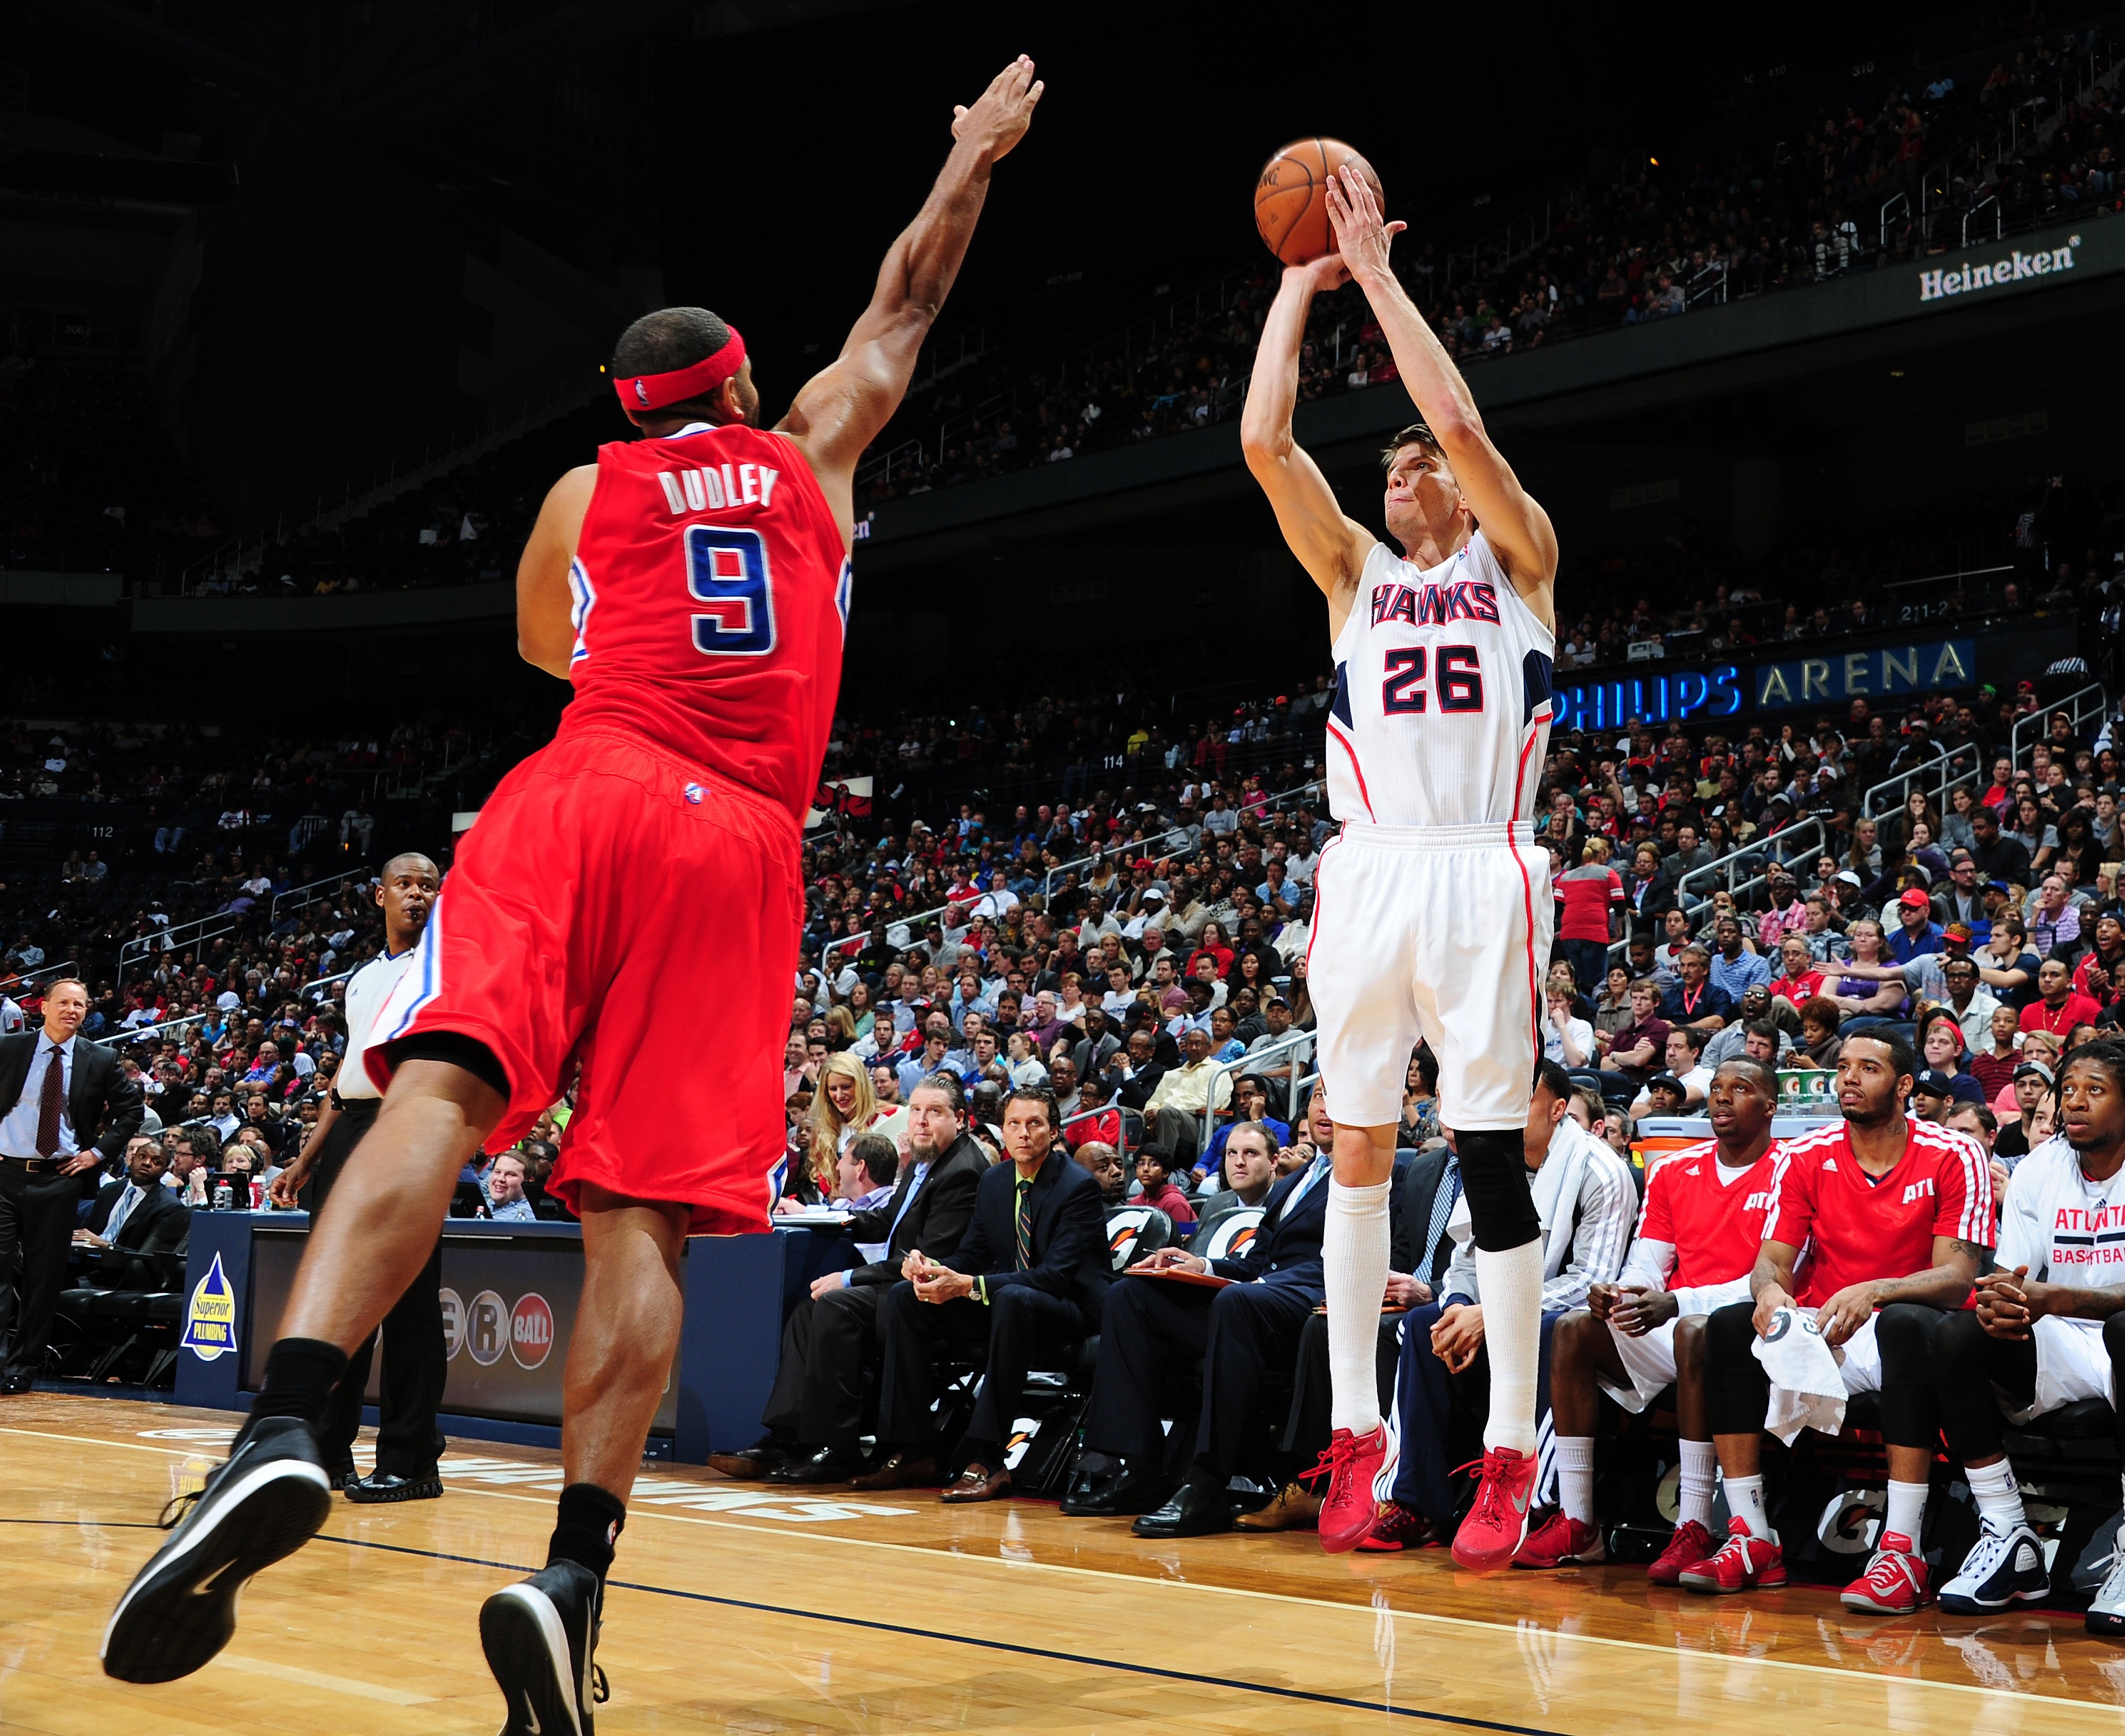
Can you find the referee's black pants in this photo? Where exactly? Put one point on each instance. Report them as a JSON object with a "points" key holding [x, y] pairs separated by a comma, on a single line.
{"points": [[36, 1218], [415, 1358]]}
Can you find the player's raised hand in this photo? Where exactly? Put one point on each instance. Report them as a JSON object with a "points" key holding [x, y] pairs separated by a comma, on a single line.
{"points": [[1362, 236], [999, 116]]}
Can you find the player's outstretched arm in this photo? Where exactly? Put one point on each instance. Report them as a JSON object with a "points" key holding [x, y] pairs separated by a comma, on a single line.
{"points": [[1513, 522], [1331, 548], [841, 409]]}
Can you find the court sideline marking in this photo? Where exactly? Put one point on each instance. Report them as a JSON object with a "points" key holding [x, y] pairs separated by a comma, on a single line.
{"points": [[1494, 1629]]}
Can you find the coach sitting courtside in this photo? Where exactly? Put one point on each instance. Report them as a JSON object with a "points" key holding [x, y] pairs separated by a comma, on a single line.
{"points": [[815, 1414], [1030, 1279], [1155, 1320]]}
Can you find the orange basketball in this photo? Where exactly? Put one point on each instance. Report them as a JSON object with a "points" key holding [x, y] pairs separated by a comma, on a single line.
{"points": [[1291, 198]]}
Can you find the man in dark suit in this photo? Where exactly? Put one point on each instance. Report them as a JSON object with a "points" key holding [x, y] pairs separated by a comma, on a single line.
{"points": [[65, 1106], [135, 1215], [1030, 1277], [815, 1414], [1238, 1334]]}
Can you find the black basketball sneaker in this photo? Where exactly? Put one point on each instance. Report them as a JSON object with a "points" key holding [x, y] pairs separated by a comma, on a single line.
{"points": [[539, 1635], [265, 1500]]}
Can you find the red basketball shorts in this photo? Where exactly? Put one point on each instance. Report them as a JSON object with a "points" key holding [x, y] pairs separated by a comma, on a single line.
{"points": [[620, 909]]}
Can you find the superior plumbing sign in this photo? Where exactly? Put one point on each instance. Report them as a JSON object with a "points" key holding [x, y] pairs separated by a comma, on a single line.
{"points": [[2013, 267]]}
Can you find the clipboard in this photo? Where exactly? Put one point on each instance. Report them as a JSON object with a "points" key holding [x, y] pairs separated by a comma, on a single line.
{"points": [[1174, 1274]]}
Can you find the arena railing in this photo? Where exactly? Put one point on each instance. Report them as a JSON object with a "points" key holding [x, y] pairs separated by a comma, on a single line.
{"points": [[312, 987], [42, 973], [141, 1033], [1942, 771], [178, 934], [302, 897], [1251, 1062], [1311, 789], [1752, 861], [2084, 706]]}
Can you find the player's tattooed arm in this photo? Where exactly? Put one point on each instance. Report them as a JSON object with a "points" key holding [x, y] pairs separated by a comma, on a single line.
{"points": [[1945, 1284]]}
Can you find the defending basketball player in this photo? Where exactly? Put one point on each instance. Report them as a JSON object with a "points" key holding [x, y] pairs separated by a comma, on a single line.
{"points": [[693, 585], [1432, 908]]}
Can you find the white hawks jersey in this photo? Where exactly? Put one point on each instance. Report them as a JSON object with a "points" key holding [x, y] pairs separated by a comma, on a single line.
{"points": [[1442, 705], [2065, 1228]]}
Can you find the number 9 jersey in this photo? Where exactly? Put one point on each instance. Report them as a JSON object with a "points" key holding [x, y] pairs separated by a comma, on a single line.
{"points": [[1442, 705], [711, 602], [649, 856]]}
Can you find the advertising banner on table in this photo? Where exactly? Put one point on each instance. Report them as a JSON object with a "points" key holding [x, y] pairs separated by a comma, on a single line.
{"points": [[509, 1309]]}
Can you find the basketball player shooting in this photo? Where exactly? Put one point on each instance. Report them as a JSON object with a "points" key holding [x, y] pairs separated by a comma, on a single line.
{"points": [[693, 584], [1432, 908]]}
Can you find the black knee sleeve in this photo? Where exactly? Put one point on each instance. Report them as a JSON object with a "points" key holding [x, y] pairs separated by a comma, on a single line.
{"points": [[1501, 1213], [1910, 1407], [1967, 1363], [460, 1050], [1737, 1392]]}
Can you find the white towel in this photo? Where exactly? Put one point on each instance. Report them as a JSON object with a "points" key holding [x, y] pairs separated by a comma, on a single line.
{"points": [[1807, 1391]]}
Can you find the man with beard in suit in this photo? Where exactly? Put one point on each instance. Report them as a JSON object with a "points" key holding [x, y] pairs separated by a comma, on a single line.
{"points": [[814, 1415]]}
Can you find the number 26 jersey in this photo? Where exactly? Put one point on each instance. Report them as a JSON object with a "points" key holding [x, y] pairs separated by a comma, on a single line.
{"points": [[711, 599], [1442, 705]]}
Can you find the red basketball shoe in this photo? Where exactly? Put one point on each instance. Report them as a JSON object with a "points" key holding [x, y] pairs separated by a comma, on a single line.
{"points": [[1350, 1464], [1496, 1526]]}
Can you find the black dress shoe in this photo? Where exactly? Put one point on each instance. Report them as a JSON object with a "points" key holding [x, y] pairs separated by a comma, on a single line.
{"points": [[1116, 1495], [342, 1472], [381, 1486], [829, 1465], [752, 1462], [1196, 1510]]}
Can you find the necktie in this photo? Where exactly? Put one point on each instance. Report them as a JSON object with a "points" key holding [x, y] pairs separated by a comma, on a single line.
{"points": [[1319, 1167], [121, 1211], [1024, 1216], [51, 1102], [1442, 1209], [914, 1186]]}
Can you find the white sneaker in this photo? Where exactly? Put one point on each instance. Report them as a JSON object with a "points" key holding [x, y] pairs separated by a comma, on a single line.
{"points": [[2002, 1568], [2107, 1614]]}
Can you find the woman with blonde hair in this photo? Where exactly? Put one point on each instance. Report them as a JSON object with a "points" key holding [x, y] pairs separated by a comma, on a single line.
{"points": [[844, 1106]]}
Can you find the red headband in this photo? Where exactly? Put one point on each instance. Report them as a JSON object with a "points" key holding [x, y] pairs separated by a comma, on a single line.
{"points": [[653, 391]]}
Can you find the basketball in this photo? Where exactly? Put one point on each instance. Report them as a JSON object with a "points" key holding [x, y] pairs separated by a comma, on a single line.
{"points": [[1291, 197]]}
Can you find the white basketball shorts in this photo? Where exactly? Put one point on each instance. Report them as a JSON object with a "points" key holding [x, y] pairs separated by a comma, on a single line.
{"points": [[2071, 1363], [1649, 1361], [1440, 932]]}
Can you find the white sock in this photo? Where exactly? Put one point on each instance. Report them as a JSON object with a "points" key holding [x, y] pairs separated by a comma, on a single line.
{"points": [[1511, 1284], [1354, 1259], [1744, 1501], [1575, 1476], [1906, 1512], [1700, 1466], [1999, 1501]]}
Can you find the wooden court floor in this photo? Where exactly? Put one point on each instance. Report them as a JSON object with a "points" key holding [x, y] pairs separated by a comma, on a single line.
{"points": [[736, 1610]]}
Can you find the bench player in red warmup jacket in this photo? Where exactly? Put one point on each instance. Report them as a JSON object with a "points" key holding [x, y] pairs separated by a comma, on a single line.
{"points": [[693, 585]]}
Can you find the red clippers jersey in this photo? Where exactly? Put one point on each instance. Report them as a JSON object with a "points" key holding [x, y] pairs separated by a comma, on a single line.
{"points": [[1857, 1228], [711, 597], [1714, 1227]]}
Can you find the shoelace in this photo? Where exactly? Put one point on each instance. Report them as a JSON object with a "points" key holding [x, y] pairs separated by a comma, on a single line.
{"points": [[1887, 1572], [1334, 1463], [174, 1509], [600, 1689], [1490, 1504]]}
